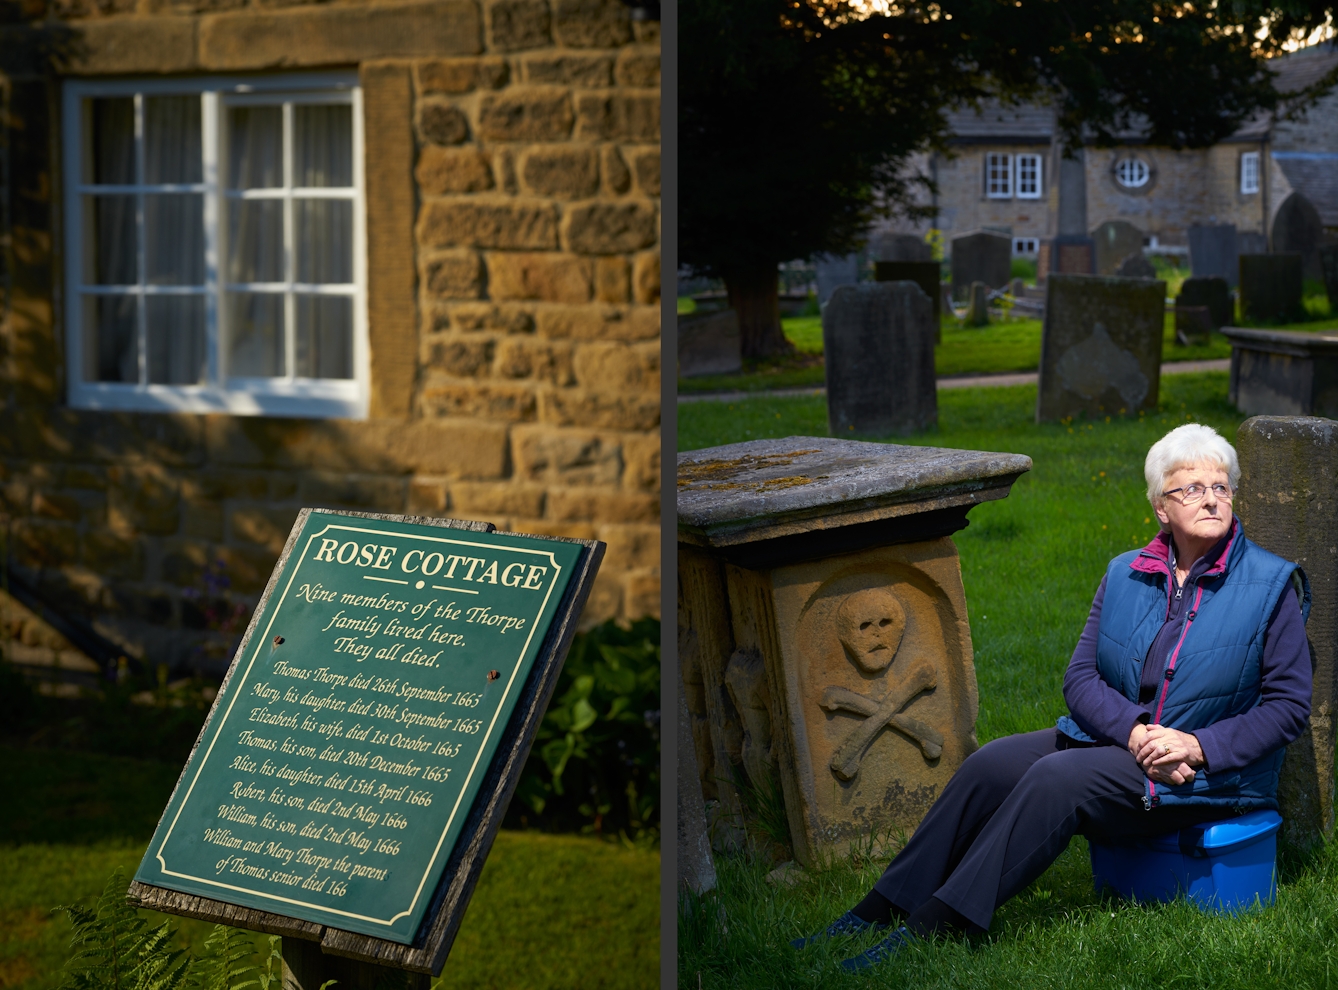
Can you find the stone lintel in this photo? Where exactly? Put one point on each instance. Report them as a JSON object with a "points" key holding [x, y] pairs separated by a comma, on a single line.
{"points": [[810, 492], [1294, 342]]}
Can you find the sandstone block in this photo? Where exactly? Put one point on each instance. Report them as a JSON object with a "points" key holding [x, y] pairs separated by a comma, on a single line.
{"points": [[631, 546], [536, 113], [142, 499], [365, 491], [543, 361], [44, 543], [592, 23], [641, 596], [112, 556], [57, 505], [265, 526], [563, 172], [605, 601], [462, 75], [442, 123], [551, 456], [338, 35], [543, 276], [597, 323], [617, 179], [646, 279], [584, 407], [586, 71], [213, 485], [282, 486], [641, 456], [648, 172], [184, 561], [610, 228], [618, 367], [505, 319], [472, 223], [509, 403], [138, 45], [618, 117], [602, 506], [202, 520], [454, 275], [81, 476], [517, 24], [646, 32], [497, 498], [613, 282], [452, 170], [639, 68], [247, 568], [427, 497], [462, 358]]}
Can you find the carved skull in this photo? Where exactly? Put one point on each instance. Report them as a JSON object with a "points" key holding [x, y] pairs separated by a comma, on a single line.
{"points": [[870, 624]]}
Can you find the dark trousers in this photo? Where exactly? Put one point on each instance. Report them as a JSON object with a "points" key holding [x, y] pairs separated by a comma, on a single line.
{"points": [[1008, 813]]}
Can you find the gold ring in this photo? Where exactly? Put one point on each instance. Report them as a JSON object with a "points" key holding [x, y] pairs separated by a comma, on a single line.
{"points": [[1166, 749]]}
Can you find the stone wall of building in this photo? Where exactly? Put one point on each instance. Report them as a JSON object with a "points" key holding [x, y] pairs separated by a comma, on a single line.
{"points": [[964, 207], [512, 190]]}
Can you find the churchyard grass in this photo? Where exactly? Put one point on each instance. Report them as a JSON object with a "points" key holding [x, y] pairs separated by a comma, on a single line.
{"points": [[1030, 565], [550, 911]]}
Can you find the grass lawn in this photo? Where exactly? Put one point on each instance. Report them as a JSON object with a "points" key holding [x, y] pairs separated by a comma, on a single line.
{"points": [[1030, 564], [588, 911]]}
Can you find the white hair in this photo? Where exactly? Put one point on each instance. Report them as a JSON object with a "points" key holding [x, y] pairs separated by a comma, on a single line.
{"points": [[1186, 446]]}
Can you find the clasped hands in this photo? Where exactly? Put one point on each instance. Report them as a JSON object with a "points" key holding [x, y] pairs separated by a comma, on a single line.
{"points": [[1166, 756]]}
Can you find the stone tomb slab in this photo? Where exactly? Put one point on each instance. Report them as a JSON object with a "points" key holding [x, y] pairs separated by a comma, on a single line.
{"points": [[350, 779], [1283, 372], [1271, 287], [984, 256], [1101, 346]]}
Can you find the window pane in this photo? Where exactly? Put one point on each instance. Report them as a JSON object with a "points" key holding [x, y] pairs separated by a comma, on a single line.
{"points": [[111, 249], [172, 139], [255, 334], [324, 337], [323, 145], [175, 339], [255, 240], [110, 334], [174, 239], [323, 231], [112, 161], [255, 147]]}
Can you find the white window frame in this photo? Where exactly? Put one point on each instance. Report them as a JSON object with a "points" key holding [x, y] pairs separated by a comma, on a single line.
{"points": [[1134, 163], [278, 396], [1030, 177], [1026, 245], [998, 175], [1249, 172]]}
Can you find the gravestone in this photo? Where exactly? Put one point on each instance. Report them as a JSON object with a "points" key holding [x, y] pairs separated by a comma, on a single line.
{"points": [[1193, 325], [1114, 241], [1210, 291], [1271, 288], [361, 752], [1328, 261], [1069, 254], [1284, 462], [878, 349], [1250, 242], [984, 256], [1136, 265], [1101, 346], [1017, 288], [833, 644], [834, 271], [1213, 250], [925, 274], [709, 344], [1283, 372], [900, 247], [1297, 227], [978, 305]]}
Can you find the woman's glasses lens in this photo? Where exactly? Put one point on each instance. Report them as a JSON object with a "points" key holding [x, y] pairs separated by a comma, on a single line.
{"points": [[1193, 493]]}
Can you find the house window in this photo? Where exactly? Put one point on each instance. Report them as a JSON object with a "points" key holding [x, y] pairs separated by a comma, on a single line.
{"points": [[998, 176], [1132, 173], [1249, 172], [215, 232], [1026, 245], [1028, 176]]}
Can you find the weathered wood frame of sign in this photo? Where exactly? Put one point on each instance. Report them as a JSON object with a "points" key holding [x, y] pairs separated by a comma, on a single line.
{"points": [[427, 954]]}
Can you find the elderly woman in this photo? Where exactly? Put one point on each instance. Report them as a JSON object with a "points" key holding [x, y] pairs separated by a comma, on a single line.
{"points": [[1190, 677]]}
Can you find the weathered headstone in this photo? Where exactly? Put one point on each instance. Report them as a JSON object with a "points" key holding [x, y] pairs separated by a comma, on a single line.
{"points": [[978, 305], [361, 752], [1289, 470], [900, 247], [1283, 372], [878, 349], [1210, 291], [1193, 325], [709, 344], [1017, 287], [1271, 288], [842, 672], [1328, 262], [1213, 250], [1101, 345], [1114, 241], [1136, 265], [984, 256], [696, 868], [834, 271], [925, 274], [1297, 227]]}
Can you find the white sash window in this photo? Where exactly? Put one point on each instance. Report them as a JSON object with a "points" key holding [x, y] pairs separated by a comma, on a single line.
{"points": [[998, 175], [1249, 172], [1028, 176]]}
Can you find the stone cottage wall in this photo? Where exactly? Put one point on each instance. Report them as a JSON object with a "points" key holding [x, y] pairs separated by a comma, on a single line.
{"points": [[512, 183]]}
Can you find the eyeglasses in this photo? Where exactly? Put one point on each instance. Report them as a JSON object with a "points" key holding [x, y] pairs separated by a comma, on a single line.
{"points": [[1193, 493]]}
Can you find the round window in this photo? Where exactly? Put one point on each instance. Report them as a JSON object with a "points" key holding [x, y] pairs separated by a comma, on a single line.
{"points": [[1132, 173]]}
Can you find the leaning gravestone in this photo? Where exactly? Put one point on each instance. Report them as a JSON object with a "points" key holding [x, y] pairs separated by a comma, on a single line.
{"points": [[1213, 250], [1284, 462], [985, 256], [878, 348], [834, 271], [360, 755], [1210, 291], [1271, 287], [1100, 346], [1114, 241], [709, 344], [833, 647], [1136, 265]]}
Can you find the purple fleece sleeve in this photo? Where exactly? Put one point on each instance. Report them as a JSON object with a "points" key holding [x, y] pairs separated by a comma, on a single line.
{"points": [[1101, 711], [1284, 704]]}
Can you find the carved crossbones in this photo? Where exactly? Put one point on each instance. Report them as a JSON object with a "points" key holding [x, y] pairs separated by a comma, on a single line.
{"points": [[846, 760]]}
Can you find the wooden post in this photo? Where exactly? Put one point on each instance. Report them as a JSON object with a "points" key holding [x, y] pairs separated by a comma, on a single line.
{"points": [[306, 967]]}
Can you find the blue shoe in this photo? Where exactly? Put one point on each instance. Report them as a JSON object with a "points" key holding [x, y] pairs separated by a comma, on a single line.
{"points": [[881, 952], [848, 924]]}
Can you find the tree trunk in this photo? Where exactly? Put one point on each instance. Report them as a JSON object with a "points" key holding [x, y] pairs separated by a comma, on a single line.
{"points": [[754, 295]]}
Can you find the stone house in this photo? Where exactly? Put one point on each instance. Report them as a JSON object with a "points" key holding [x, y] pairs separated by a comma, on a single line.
{"points": [[398, 256], [1273, 178]]}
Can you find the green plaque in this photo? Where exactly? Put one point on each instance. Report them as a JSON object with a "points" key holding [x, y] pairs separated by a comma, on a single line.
{"points": [[359, 720]]}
